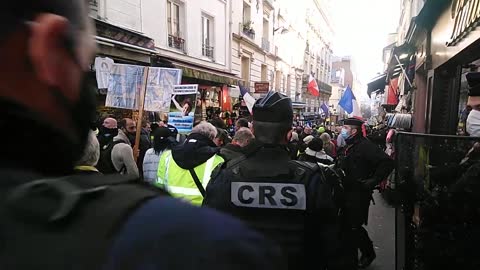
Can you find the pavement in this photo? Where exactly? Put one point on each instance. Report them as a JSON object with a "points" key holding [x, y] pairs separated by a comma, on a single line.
{"points": [[381, 228]]}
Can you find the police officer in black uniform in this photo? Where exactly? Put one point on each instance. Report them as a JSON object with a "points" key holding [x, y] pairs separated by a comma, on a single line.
{"points": [[365, 166], [289, 201]]}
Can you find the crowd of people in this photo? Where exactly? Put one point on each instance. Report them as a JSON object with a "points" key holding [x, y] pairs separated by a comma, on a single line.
{"points": [[193, 169], [273, 196]]}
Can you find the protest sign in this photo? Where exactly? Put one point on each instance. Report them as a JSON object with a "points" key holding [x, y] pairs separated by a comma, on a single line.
{"points": [[125, 84], [161, 82], [182, 107]]}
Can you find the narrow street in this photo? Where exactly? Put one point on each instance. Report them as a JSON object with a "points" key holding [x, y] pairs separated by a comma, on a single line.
{"points": [[381, 229]]}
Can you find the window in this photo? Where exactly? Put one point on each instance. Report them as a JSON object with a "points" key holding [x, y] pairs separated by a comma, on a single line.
{"points": [[246, 14], [266, 32], [175, 39], [173, 17], [278, 80], [207, 36], [246, 70], [289, 85], [247, 21], [266, 28], [264, 73]]}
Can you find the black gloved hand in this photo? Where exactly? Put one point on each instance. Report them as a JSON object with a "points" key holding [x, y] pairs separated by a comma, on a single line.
{"points": [[369, 184]]}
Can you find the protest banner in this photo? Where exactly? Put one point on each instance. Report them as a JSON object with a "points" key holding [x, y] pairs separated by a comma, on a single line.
{"points": [[125, 84], [161, 82], [142, 88], [182, 107]]}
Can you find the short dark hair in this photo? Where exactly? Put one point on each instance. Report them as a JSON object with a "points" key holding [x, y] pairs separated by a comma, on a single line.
{"points": [[271, 133], [15, 13], [242, 122], [123, 123], [218, 123]]}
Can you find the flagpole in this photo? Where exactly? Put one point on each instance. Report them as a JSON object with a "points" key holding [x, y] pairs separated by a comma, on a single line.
{"points": [[403, 70], [141, 108]]}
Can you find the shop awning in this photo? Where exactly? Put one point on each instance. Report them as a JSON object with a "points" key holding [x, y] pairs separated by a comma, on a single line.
{"points": [[377, 85], [399, 61], [205, 74]]}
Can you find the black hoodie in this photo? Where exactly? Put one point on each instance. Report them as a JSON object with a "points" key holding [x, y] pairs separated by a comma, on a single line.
{"points": [[196, 150]]}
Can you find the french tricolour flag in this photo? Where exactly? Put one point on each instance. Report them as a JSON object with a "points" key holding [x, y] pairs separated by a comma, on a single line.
{"points": [[313, 86], [349, 103]]}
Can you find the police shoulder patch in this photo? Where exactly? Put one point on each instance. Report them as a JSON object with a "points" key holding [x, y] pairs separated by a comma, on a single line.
{"points": [[269, 195]]}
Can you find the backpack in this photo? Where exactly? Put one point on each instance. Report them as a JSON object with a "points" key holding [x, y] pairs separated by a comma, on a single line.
{"points": [[75, 218], [105, 164]]}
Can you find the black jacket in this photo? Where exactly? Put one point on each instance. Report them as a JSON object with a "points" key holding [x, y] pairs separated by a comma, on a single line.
{"points": [[293, 148], [232, 151], [258, 190], [196, 150], [362, 160]]}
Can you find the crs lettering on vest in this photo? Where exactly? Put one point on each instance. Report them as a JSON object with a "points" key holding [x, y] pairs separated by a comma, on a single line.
{"points": [[268, 195]]}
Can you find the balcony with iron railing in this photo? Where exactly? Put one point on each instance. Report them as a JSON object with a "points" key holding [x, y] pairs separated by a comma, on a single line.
{"points": [[248, 30], [265, 44], [176, 42], [207, 50]]}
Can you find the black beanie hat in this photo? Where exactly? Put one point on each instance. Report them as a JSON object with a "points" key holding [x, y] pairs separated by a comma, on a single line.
{"points": [[316, 145], [273, 108], [473, 79]]}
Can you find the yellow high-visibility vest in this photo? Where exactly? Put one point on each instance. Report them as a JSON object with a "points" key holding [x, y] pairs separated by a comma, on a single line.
{"points": [[179, 182]]}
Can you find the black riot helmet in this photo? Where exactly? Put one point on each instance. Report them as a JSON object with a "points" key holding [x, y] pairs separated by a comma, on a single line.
{"points": [[272, 118]]}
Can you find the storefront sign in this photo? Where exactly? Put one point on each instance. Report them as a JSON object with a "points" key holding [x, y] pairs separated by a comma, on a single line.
{"points": [[262, 87], [466, 15]]}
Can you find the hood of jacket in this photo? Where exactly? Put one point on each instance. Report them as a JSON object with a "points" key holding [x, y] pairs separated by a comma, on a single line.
{"points": [[196, 150], [122, 137], [319, 155]]}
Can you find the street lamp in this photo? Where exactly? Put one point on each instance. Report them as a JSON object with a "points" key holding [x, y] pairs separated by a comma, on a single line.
{"points": [[282, 32]]}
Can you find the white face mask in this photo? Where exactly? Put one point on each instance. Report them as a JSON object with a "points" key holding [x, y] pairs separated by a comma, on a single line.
{"points": [[473, 123]]}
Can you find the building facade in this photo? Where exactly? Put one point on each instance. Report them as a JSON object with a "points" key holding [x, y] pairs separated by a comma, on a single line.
{"points": [[343, 76], [190, 35], [281, 43], [252, 50]]}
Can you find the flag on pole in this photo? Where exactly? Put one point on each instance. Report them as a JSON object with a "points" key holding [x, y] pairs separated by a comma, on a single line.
{"points": [[313, 86], [324, 108], [349, 103], [249, 99]]}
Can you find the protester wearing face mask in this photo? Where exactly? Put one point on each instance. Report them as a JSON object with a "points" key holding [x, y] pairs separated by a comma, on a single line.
{"points": [[473, 119], [473, 123], [107, 131], [365, 166], [118, 156]]}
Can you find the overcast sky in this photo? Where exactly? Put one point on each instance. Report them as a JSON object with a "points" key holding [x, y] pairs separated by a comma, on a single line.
{"points": [[361, 29]]}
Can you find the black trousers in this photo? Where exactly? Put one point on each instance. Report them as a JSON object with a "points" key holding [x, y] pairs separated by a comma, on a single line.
{"points": [[354, 236]]}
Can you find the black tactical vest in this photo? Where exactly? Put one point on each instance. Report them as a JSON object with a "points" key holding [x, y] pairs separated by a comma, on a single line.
{"points": [[273, 197]]}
